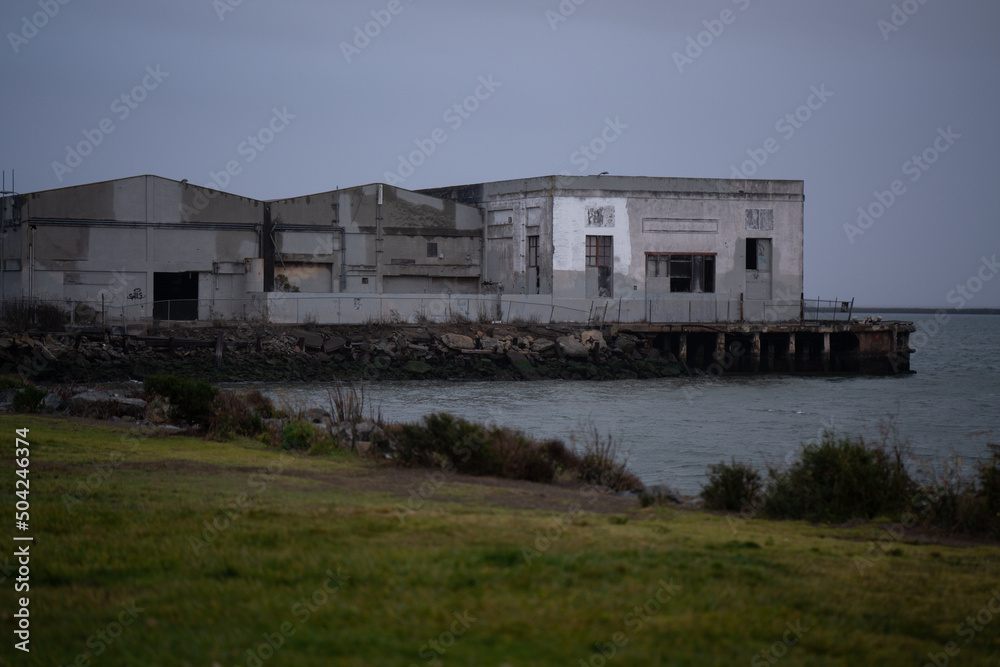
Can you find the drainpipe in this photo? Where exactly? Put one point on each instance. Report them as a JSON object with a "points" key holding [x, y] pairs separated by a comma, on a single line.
{"points": [[343, 245], [378, 240], [343, 256], [31, 264], [267, 249]]}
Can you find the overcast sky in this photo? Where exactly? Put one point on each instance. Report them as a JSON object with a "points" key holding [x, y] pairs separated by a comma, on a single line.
{"points": [[295, 98]]}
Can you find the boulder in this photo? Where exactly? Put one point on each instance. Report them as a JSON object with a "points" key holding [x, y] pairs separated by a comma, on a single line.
{"points": [[489, 343], [570, 348], [333, 343], [312, 339], [541, 345], [94, 399], [417, 367], [53, 402], [592, 339], [458, 341], [625, 343], [319, 418], [522, 364]]}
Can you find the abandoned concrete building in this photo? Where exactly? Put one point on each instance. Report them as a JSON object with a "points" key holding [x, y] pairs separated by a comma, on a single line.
{"points": [[704, 265], [555, 248]]}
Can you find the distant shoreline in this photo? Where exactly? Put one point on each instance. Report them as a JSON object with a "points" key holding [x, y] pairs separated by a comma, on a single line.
{"points": [[949, 311]]}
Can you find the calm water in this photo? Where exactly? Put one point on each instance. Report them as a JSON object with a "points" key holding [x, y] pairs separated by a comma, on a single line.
{"points": [[674, 428]]}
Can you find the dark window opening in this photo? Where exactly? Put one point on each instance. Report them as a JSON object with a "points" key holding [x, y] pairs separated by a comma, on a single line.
{"points": [[687, 273], [364, 281], [175, 296], [432, 249], [532, 251], [751, 254]]}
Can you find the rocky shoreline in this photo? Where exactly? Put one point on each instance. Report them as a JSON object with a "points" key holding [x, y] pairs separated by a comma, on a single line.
{"points": [[465, 351]]}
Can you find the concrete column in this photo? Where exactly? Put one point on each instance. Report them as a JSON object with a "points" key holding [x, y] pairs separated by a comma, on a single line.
{"points": [[791, 352], [720, 348], [826, 352], [755, 353], [682, 355]]}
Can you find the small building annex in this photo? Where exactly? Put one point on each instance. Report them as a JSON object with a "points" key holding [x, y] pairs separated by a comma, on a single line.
{"points": [[556, 248]]}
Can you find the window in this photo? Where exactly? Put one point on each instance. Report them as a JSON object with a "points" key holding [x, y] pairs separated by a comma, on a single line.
{"points": [[532, 251], [687, 273], [758, 255], [600, 251], [432, 249]]}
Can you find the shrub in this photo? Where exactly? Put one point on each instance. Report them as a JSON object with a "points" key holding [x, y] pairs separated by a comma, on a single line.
{"points": [[599, 464], [11, 382], [837, 480], [29, 399], [732, 486], [519, 458], [459, 445], [190, 400], [300, 435], [954, 503], [234, 413], [445, 440], [21, 314]]}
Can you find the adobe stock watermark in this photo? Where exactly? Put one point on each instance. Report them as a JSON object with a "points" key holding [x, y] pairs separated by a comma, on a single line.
{"points": [[455, 117], [363, 35], [249, 149], [968, 630], [698, 44], [915, 168], [101, 640], [122, 107], [587, 153], [786, 126], [237, 507], [223, 7], [435, 648], [302, 611], [964, 292], [635, 622], [30, 26], [779, 649], [565, 9], [899, 17]]}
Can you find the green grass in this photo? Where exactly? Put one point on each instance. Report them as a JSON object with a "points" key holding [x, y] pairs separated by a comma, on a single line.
{"points": [[130, 537]]}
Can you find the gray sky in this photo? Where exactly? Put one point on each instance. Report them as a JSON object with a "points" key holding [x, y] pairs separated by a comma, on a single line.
{"points": [[330, 106]]}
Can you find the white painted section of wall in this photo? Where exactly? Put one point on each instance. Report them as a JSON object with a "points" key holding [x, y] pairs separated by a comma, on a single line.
{"points": [[570, 232]]}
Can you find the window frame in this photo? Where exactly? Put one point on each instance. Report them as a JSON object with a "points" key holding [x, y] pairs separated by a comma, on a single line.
{"points": [[706, 280], [600, 252]]}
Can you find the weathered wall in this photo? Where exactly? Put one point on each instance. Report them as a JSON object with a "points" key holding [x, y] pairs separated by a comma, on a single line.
{"points": [[649, 215], [410, 242]]}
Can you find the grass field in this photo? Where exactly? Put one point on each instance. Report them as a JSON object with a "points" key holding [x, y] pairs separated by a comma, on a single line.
{"points": [[157, 550]]}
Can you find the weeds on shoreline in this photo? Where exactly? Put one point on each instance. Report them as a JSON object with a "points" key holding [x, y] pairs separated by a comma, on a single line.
{"points": [[846, 478]]}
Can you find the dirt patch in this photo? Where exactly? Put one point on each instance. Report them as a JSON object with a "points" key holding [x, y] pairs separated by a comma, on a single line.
{"points": [[405, 483]]}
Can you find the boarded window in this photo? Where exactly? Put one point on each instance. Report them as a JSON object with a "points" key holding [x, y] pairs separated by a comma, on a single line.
{"points": [[759, 219], [601, 216], [687, 273]]}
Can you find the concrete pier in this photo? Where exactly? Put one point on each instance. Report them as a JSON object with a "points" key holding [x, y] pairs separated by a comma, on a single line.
{"points": [[842, 348]]}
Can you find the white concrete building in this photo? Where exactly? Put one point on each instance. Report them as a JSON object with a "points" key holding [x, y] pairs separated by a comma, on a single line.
{"points": [[556, 248]]}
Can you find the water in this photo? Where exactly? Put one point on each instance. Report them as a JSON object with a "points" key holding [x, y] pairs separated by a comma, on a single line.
{"points": [[674, 428]]}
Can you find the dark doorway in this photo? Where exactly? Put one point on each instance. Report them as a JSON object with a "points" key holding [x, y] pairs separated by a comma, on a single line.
{"points": [[175, 296]]}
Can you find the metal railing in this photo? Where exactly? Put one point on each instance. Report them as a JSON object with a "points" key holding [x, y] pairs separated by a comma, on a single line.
{"points": [[813, 310], [350, 308]]}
